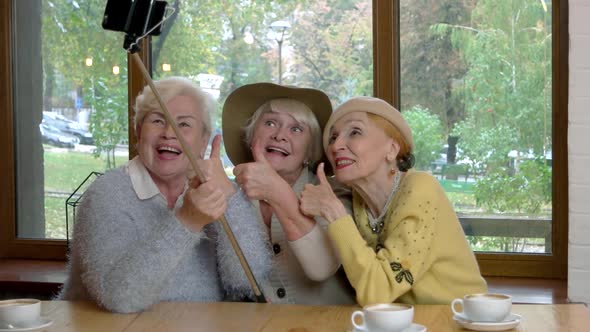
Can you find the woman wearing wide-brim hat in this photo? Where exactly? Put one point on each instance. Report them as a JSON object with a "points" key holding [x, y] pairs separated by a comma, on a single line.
{"points": [[272, 133]]}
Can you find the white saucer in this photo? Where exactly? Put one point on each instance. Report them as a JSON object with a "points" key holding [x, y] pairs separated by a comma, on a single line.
{"points": [[508, 323], [412, 328], [38, 324]]}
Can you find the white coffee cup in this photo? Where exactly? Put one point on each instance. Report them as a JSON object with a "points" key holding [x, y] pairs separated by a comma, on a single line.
{"points": [[385, 317], [483, 307], [20, 310]]}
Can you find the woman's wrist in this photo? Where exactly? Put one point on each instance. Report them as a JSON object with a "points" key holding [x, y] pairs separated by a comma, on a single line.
{"points": [[334, 211], [187, 219], [228, 189], [285, 205], [280, 194]]}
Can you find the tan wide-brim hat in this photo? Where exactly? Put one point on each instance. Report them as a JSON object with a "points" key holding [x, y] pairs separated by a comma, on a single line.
{"points": [[374, 106], [241, 104]]}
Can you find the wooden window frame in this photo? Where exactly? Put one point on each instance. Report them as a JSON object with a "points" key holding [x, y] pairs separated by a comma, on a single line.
{"points": [[386, 86]]}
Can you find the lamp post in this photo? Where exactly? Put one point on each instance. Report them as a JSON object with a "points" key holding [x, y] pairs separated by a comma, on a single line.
{"points": [[279, 28]]}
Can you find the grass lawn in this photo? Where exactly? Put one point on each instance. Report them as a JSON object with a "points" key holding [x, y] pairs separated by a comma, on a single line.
{"points": [[64, 171]]}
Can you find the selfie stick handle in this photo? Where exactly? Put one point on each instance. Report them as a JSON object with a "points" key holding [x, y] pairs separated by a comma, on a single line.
{"points": [[201, 177]]}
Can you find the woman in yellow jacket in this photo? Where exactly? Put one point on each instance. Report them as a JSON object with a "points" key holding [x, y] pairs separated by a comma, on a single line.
{"points": [[404, 242]]}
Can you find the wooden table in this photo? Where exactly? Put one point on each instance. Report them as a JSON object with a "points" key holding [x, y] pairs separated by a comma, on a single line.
{"points": [[212, 317]]}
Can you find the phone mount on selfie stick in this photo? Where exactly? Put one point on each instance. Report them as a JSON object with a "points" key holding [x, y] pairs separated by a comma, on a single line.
{"points": [[148, 15]]}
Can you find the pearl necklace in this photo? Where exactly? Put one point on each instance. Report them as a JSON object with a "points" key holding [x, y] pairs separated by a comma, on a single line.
{"points": [[377, 224]]}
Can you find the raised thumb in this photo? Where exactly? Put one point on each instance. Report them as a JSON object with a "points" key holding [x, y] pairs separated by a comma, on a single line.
{"points": [[258, 151], [321, 174], [215, 147]]}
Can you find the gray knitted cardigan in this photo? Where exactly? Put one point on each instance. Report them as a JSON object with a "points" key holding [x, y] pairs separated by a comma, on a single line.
{"points": [[128, 254]]}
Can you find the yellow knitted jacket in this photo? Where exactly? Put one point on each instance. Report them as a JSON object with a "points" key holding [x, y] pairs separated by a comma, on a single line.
{"points": [[421, 256]]}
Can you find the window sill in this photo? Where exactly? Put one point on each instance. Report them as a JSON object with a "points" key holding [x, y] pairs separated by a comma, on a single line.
{"points": [[46, 277], [23, 276], [530, 290]]}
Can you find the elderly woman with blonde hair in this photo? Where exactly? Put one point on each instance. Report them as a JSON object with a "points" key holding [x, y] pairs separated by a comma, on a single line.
{"points": [[141, 233], [272, 133]]}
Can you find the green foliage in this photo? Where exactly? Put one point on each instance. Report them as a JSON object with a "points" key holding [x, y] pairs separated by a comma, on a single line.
{"points": [[481, 70], [430, 67], [485, 148], [505, 244], [333, 48], [215, 32], [508, 82], [527, 191], [507, 92], [426, 132], [108, 121], [71, 33]]}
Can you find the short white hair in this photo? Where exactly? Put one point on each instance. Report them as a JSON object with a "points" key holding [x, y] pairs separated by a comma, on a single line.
{"points": [[171, 87]]}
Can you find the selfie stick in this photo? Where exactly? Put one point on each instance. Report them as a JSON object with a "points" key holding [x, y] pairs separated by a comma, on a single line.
{"points": [[132, 49]]}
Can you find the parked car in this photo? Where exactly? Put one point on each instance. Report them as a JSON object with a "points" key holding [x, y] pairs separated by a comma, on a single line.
{"points": [[68, 126], [84, 136], [54, 136]]}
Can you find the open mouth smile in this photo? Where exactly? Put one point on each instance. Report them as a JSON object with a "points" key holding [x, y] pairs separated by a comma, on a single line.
{"points": [[273, 149], [343, 162], [166, 150]]}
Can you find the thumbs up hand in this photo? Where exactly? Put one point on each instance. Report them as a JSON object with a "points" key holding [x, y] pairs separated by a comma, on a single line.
{"points": [[258, 153], [258, 179], [320, 200], [213, 171], [206, 201]]}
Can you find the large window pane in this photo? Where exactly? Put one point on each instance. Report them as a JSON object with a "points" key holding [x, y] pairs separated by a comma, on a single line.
{"points": [[476, 88], [226, 44], [70, 106]]}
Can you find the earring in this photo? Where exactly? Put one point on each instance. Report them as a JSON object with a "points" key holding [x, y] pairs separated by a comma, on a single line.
{"points": [[394, 169], [305, 163]]}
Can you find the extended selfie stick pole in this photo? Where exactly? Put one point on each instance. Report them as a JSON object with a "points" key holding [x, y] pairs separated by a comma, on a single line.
{"points": [[193, 161]]}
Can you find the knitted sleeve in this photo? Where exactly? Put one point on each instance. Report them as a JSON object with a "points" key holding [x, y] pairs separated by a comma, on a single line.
{"points": [[385, 275], [126, 247], [315, 253], [253, 240]]}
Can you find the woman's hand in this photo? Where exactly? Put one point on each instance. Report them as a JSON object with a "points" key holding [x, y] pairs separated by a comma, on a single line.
{"points": [[201, 206], [320, 200], [213, 171], [258, 179], [206, 202]]}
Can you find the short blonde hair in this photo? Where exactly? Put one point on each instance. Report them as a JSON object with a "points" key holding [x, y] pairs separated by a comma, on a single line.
{"points": [[301, 113], [171, 87]]}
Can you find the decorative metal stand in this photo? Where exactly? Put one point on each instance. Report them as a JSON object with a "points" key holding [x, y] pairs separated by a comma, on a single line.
{"points": [[73, 200]]}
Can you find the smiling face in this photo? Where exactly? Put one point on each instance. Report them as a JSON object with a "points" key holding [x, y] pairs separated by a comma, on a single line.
{"points": [[285, 142], [359, 150], [158, 146]]}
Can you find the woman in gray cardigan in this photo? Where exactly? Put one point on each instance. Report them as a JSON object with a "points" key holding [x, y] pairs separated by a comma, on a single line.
{"points": [[142, 233]]}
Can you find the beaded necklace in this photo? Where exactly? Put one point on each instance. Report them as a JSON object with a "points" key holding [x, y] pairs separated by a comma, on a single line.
{"points": [[377, 224]]}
